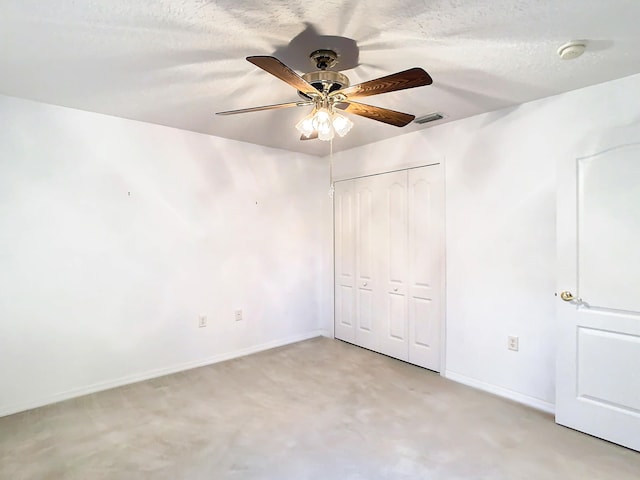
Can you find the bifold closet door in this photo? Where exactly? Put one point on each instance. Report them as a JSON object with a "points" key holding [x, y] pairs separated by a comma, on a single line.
{"points": [[366, 283], [425, 214], [355, 263], [345, 260], [390, 221], [389, 250]]}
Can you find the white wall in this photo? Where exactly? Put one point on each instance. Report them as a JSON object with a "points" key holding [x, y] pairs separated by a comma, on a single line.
{"points": [[116, 235], [99, 287], [500, 194]]}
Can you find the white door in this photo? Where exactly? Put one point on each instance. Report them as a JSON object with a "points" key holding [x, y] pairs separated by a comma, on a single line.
{"points": [[426, 265], [355, 263], [345, 261], [598, 352], [366, 278], [390, 218]]}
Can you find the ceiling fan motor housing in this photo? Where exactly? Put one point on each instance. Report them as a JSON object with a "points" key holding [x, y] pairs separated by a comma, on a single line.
{"points": [[325, 81]]}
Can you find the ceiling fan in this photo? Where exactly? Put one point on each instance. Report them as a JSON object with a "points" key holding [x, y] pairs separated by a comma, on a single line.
{"points": [[327, 90]]}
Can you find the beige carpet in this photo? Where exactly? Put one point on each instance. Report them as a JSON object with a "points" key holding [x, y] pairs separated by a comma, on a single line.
{"points": [[320, 409]]}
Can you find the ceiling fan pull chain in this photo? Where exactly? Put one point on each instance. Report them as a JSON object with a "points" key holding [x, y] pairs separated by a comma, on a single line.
{"points": [[331, 189]]}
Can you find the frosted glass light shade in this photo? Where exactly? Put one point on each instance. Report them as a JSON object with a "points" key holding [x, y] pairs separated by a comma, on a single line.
{"points": [[325, 123], [322, 122], [341, 124], [305, 126]]}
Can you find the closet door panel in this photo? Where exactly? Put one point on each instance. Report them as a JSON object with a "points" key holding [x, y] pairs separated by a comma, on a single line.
{"points": [[391, 219], [425, 267], [396, 229], [397, 319], [365, 264], [422, 332], [345, 261]]}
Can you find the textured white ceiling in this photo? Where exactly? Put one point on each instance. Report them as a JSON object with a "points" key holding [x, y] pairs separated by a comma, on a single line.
{"points": [[177, 62]]}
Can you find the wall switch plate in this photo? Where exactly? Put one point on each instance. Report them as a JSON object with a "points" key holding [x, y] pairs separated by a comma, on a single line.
{"points": [[202, 321], [512, 343], [238, 315]]}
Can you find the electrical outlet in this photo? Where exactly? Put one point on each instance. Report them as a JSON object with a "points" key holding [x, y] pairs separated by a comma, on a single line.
{"points": [[202, 321], [238, 315], [512, 343]]}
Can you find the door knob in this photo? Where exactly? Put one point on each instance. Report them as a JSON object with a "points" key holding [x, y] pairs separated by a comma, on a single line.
{"points": [[567, 296], [364, 284], [395, 289]]}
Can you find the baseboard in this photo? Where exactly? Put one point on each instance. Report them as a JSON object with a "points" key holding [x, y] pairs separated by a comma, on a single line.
{"points": [[502, 392], [160, 372]]}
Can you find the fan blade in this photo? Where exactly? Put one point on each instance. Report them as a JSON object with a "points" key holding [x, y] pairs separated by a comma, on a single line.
{"points": [[313, 136], [266, 107], [278, 69], [414, 77], [384, 115]]}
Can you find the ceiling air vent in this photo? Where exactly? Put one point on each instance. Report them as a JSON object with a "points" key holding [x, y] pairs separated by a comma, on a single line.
{"points": [[430, 117]]}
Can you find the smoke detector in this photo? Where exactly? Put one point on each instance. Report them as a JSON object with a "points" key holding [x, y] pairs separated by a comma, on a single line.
{"points": [[572, 50]]}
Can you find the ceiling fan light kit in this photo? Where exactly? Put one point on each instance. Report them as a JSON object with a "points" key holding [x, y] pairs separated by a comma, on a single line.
{"points": [[325, 123], [327, 90]]}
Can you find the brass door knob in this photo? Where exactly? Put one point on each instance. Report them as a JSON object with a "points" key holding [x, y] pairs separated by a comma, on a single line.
{"points": [[567, 296]]}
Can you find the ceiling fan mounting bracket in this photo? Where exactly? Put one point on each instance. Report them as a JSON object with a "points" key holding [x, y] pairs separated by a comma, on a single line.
{"points": [[323, 59]]}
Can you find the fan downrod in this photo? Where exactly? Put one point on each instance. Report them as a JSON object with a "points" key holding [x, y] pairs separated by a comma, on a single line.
{"points": [[323, 59]]}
